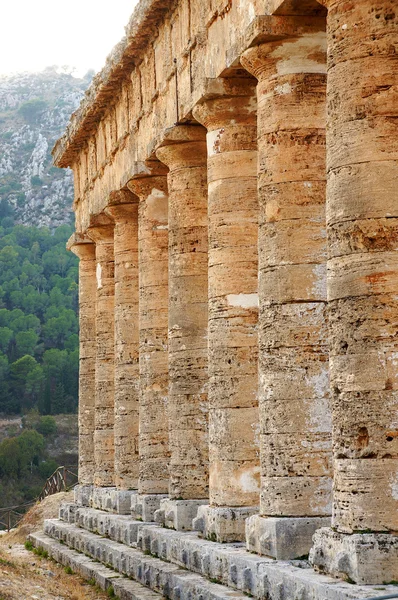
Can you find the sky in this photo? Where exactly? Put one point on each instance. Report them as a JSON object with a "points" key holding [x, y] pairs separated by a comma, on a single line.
{"points": [[35, 34]]}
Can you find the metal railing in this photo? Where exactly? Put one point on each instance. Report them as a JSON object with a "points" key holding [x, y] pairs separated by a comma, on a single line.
{"points": [[62, 480], [58, 482]]}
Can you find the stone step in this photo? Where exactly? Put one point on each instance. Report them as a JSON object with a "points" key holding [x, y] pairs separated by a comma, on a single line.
{"points": [[89, 569], [119, 528], [165, 578], [254, 575], [229, 564]]}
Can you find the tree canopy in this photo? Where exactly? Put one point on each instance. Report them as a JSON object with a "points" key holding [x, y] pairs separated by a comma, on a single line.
{"points": [[38, 319]]}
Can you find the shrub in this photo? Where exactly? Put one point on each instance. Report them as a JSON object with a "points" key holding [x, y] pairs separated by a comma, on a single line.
{"points": [[47, 425]]}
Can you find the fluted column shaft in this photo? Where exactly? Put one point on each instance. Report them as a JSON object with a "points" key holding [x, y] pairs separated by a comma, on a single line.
{"points": [[85, 250], [231, 123], [153, 325], [126, 426], [104, 368], [185, 155], [295, 424]]}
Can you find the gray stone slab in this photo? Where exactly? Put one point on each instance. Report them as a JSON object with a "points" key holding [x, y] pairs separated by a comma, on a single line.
{"points": [[144, 506], [223, 524], [87, 568], [359, 557], [165, 578], [178, 514], [67, 511], [254, 575], [109, 499], [83, 494], [119, 528], [283, 538], [165, 552]]}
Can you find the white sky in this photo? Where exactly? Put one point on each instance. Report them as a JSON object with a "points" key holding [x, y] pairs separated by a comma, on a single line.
{"points": [[35, 34]]}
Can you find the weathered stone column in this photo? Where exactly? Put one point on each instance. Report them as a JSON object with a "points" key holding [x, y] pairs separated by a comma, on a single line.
{"points": [[104, 452], [123, 210], [295, 424], [153, 482], [229, 115], [362, 219], [85, 250], [184, 152]]}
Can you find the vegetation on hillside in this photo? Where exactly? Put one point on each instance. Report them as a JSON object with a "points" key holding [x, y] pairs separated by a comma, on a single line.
{"points": [[38, 319]]}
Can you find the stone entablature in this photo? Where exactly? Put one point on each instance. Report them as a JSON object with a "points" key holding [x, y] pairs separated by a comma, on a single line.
{"points": [[235, 173]]}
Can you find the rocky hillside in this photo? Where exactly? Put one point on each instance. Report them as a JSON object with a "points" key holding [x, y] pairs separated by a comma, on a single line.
{"points": [[34, 110]]}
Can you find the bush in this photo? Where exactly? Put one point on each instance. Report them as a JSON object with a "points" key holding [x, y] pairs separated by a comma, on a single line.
{"points": [[35, 180], [31, 109], [47, 425]]}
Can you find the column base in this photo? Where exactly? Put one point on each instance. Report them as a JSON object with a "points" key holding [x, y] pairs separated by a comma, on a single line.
{"points": [[283, 538], [109, 499], [178, 514], [363, 558], [223, 524], [82, 493], [144, 506]]}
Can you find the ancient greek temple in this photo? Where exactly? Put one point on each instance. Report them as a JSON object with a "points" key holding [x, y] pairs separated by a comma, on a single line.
{"points": [[236, 201]]}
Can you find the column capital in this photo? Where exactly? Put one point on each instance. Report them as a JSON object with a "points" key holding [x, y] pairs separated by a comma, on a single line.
{"points": [[287, 56], [81, 245], [145, 186], [122, 206], [100, 229], [182, 146], [227, 102]]}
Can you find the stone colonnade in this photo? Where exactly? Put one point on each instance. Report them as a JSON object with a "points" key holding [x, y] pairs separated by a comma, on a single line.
{"points": [[244, 286]]}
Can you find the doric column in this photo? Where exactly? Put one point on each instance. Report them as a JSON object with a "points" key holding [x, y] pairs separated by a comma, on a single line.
{"points": [[123, 210], [85, 250], [153, 480], [104, 452], [229, 115], [295, 424], [184, 152], [362, 220]]}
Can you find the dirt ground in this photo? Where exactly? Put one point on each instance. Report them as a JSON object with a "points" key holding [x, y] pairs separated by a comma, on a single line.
{"points": [[26, 576]]}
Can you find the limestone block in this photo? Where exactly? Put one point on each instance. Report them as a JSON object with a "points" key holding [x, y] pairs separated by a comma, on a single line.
{"points": [[229, 115], [124, 212], [282, 538], [153, 325], [85, 250], [178, 514], [365, 496], [295, 423], [144, 506], [365, 558], [183, 150], [102, 234], [362, 271], [296, 496], [223, 524], [82, 494]]}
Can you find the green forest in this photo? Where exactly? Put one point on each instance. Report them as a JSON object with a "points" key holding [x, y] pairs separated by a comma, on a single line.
{"points": [[39, 354]]}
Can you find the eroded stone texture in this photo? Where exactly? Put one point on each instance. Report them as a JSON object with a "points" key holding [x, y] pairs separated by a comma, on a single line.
{"points": [[229, 115], [363, 265], [173, 65], [104, 448], [362, 217], [184, 152], [85, 250], [295, 424], [153, 324], [123, 210]]}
